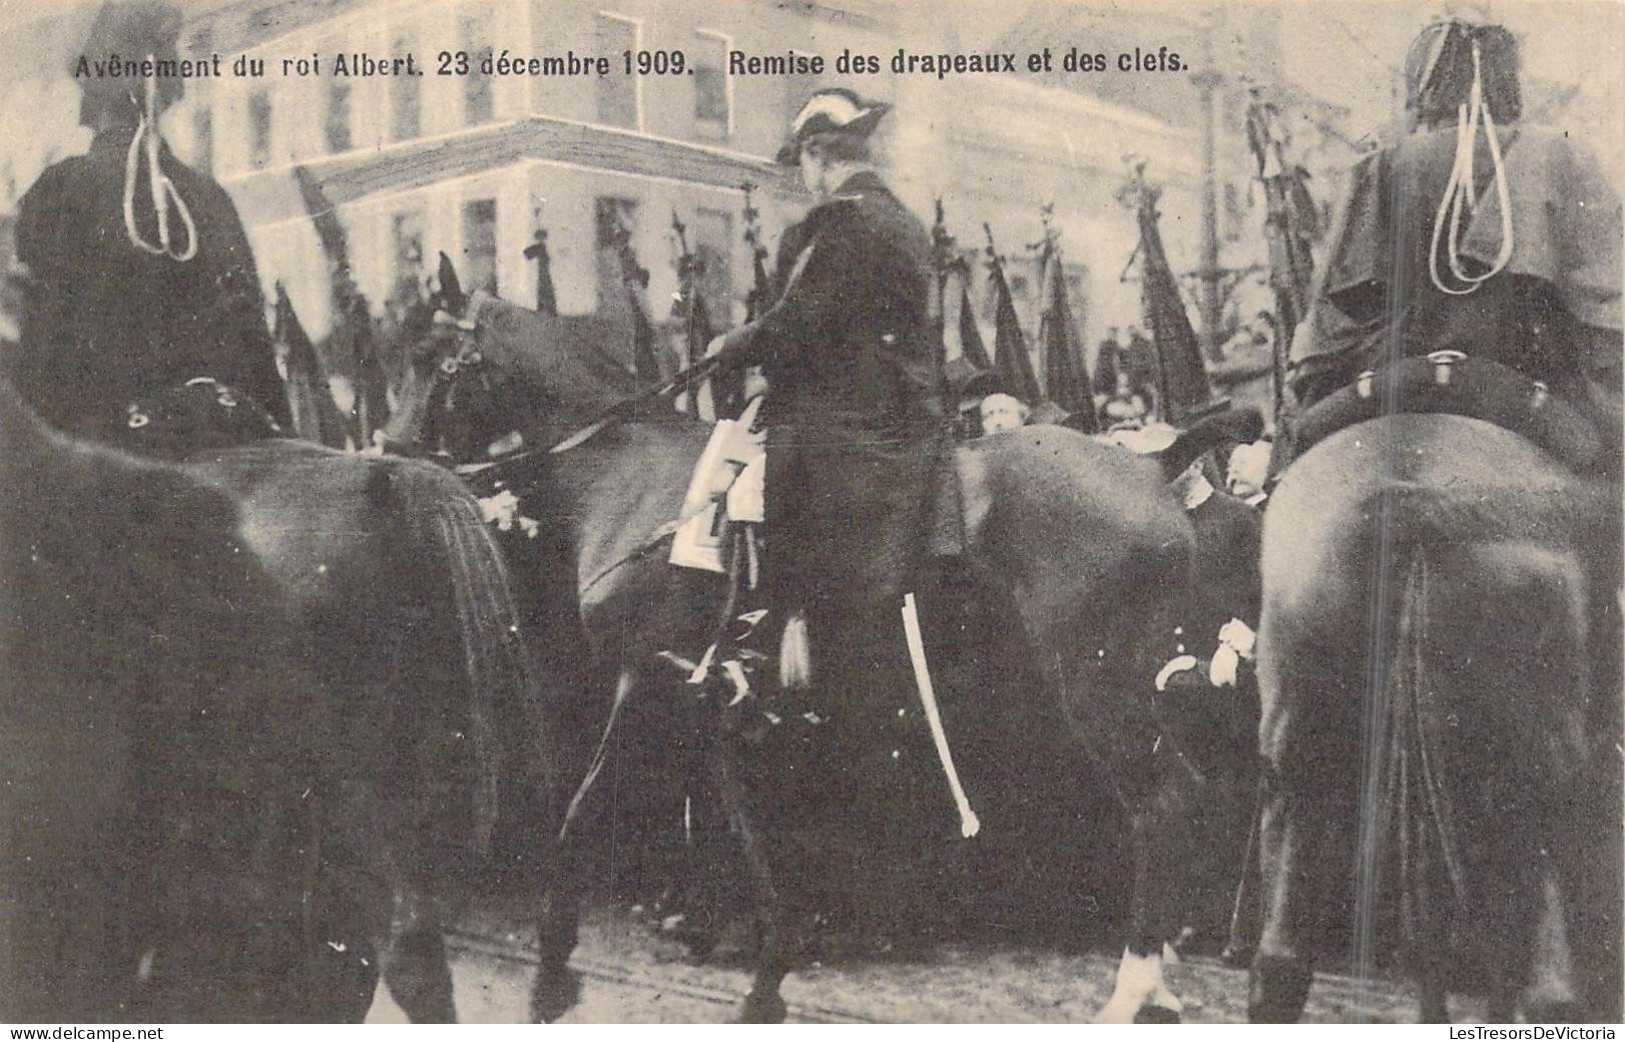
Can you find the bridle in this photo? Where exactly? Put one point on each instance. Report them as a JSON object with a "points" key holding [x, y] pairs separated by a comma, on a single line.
{"points": [[467, 359]]}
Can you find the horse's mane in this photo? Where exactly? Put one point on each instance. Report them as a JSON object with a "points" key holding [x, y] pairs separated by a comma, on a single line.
{"points": [[564, 356]]}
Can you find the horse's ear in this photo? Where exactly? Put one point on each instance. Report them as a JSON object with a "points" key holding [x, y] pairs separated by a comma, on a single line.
{"points": [[451, 288]]}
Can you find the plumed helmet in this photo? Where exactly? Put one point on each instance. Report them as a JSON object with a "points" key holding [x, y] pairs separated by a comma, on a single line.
{"points": [[833, 110], [134, 30]]}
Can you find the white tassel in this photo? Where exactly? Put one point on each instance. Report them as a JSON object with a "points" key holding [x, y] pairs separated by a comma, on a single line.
{"points": [[795, 655]]}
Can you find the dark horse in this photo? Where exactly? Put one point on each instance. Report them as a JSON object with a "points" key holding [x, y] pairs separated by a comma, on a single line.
{"points": [[1078, 548], [155, 687], [1438, 662], [349, 613], [416, 631]]}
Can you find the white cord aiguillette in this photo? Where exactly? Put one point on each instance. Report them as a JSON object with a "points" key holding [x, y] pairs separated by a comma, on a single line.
{"points": [[1461, 194], [163, 189]]}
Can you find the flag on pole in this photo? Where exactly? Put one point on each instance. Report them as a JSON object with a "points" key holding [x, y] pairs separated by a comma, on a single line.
{"points": [[970, 335], [316, 416], [723, 395], [1290, 226], [1182, 383], [688, 306], [547, 301], [700, 332], [644, 360], [949, 261], [635, 279], [1011, 359], [1066, 375]]}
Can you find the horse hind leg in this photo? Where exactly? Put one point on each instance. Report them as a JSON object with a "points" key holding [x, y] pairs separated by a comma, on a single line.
{"points": [[414, 964], [557, 988], [1140, 993], [1293, 835], [1552, 997], [763, 1004], [388, 906]]}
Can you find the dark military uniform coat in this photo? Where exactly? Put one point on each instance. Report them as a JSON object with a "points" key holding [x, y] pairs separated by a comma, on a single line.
{"points": [[848, 342], [1563, 277], [109, 322], [854, 409]]}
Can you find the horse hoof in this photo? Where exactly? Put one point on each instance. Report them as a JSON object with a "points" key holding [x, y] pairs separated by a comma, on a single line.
{"points": [[1116, 1012], [701, 944], [699, 940], [1278, 989], [1156, 1015], [554, 995], [762, 1009]]}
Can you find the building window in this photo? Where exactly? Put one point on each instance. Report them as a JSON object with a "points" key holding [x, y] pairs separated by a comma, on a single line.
{"points": [[405, 99], [406, 235], [259, 128], [480, 244], [336, 126], [713, 91], [203, 137], [477, 100], [713, 248], [617, 94], [615, 218]]}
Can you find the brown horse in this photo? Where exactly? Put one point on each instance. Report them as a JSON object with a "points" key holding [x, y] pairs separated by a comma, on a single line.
{"points": [[1439, 667], [1075, 548]]}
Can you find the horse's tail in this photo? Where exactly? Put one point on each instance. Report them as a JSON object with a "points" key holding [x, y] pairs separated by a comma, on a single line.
{"points": [[503, 676], [1410, 826], [1426, 817]]}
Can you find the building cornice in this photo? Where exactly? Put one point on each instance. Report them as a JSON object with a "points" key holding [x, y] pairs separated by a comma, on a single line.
{"points": [[423, 163]]}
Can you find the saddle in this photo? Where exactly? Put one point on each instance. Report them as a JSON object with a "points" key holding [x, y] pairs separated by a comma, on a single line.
{"points": [[201, 414], [1452, 383]]}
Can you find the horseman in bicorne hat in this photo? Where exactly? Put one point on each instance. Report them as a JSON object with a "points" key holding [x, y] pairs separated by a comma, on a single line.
{"points": [[854, 409], [1476, 233], [140, 274]]}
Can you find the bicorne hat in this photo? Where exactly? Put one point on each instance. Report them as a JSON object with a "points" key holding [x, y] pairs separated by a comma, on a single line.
{"points": [[834, 110]]}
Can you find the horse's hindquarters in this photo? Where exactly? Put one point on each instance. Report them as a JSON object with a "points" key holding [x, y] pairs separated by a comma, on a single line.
{"points": [[1429, 708]]}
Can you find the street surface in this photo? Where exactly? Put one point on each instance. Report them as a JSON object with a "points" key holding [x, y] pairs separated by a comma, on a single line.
{"points": [[633, 976]]}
